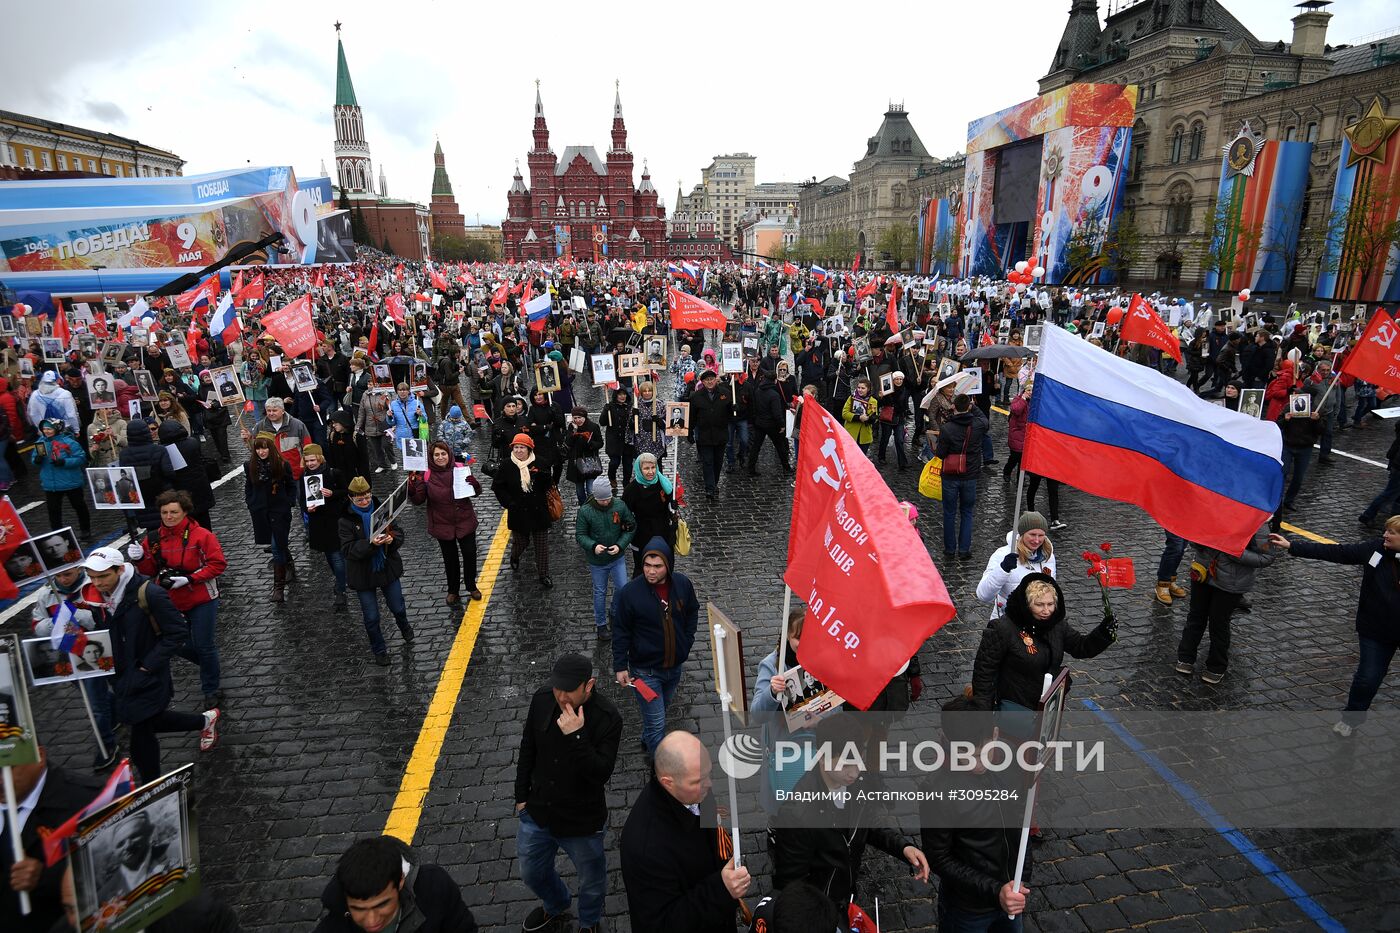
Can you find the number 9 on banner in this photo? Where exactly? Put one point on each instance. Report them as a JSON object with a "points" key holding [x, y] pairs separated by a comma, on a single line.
{"points": [[188, 233], [304, 224]]}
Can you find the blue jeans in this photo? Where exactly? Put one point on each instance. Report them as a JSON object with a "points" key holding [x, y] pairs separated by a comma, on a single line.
{"points": [[959, 497], [664, 681], [203, 647], [7, 475], [336, 560], [737, 429], [617, 573], [280, 527], [988, 451], [1296, 460], [1171, 557], [1375, 662], [369, 605], [959, 920], [100, 698], [536, 846], [581, 492], [1391, 491]]}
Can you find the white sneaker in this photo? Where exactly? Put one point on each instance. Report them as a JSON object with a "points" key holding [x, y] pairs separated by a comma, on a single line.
{"points": [[1343, 730], [1183, 668]]}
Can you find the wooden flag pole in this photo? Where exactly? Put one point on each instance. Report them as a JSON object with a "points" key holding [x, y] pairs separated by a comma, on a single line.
{"points": [[17, 850]]}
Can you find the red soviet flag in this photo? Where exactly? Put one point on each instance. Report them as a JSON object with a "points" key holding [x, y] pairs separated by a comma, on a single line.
{"points": [[892, 310], [393, 303], [691, 313], [873, 595], [291, 327], [1143, 325], [1376, 357]]}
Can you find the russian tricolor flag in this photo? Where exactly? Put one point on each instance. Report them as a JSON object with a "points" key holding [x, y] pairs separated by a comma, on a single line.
{"points": [[819, 272], [1122, 431], [223, 323], [681, 271], [537, 310]]}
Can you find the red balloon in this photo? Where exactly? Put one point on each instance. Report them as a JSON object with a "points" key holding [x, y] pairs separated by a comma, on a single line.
{"points": [[1115, 314]]}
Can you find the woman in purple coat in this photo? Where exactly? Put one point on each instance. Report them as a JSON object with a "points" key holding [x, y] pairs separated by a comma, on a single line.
{"points": [[451, 520]]}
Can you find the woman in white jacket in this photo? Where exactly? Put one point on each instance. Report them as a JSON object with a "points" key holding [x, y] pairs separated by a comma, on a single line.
{"points": [[1027, 550]]}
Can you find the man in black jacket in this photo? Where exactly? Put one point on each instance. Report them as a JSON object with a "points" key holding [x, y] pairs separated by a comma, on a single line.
{"points": [[769, 421], [976, 862], [711, 408], [567, 755], [46, 796], [677, 881], [379, 884], [821, 835], [147, 631]]}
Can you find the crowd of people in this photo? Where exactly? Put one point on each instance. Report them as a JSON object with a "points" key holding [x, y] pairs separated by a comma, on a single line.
{"points": [[476, 394]]}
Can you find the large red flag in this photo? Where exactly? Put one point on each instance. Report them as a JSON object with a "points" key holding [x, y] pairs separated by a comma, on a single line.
{"points": [[1376, 357], [438, 281], [691, 313], [866, 290], [892, 310], [498, 297], [292, 328], [253, 291], [60, 323], [873, 595], [855, 265], [393, 303], [1143, 325]]}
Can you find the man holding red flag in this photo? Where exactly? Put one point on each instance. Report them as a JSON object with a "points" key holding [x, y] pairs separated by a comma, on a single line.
{"points": [[1143, 325], [854, 558]]}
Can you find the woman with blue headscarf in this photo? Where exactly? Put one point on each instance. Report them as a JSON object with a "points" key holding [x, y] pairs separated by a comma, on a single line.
{"points": [[651, 498]]}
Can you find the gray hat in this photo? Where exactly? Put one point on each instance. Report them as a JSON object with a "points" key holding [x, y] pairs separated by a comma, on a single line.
{"points": [[602, 488], [1029, 521]]}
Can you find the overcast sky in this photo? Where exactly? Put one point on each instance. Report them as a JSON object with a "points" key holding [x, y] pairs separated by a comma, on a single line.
{"points": [[801, 86]]}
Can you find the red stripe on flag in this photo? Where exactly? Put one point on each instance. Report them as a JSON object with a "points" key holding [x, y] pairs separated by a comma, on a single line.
{"points": [[1197, 514]]}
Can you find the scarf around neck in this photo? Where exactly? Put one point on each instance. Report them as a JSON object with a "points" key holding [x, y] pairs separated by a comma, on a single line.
{"points": [[524, 467], [660, 477]]}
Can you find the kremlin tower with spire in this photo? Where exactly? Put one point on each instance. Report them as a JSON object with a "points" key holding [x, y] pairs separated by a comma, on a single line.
{"points": [[447, 219], [580, 206]]}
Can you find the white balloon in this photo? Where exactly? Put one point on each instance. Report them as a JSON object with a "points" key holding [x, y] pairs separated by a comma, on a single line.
{"points": [[1038, 271], [1021, 266]]}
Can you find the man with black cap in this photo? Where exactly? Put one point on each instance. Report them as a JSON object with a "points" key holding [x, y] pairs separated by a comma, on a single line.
{"points": [[566, 757], [711, 410]]}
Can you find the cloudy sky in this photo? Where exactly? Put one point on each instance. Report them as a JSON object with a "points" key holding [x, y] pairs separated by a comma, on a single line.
{"points": [[800, 86]]}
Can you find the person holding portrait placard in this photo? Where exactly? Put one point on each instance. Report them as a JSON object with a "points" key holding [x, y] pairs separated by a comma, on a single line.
{"points": [[269, 491], [72, 586], [373, 565], [452, 521]]}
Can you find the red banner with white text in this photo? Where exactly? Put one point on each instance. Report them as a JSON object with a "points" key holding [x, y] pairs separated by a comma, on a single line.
{"points": [[873, 595]]}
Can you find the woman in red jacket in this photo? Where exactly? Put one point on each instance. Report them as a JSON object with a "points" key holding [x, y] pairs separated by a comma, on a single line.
{"points": [[185, 559], [451, 520]]}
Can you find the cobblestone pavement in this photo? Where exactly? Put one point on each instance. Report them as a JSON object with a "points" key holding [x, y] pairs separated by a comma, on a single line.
{"points": [[317, 737]]}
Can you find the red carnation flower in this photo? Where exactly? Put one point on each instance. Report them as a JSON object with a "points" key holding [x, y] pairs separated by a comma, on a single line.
{"points": [[1106, 546]]}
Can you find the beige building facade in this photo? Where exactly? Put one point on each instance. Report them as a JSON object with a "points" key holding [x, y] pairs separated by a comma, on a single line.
{"points": [[42, 145], [879, 193]]}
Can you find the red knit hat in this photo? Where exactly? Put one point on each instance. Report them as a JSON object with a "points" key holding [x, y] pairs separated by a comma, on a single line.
{"points": [[524, 439]]}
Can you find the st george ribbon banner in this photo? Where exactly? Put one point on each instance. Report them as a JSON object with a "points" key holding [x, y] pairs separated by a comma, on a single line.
{"points": [[873, 595]]}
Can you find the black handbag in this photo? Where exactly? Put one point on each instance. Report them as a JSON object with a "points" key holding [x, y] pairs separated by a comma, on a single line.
{"points": [[588, 467]]}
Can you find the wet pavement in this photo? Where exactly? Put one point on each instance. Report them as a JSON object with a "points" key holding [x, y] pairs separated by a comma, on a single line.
{"points": [[317, 737]]}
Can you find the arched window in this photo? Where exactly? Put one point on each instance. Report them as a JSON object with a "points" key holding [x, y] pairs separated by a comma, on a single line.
{"points": [[544, 208], [1198, 140], [1178, 137], [621, 208], [571, 208], [1179, 209]]}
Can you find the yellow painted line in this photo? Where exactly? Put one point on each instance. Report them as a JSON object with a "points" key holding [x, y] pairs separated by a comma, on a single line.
{"points": [[418, 775], [1306, 534], [1001, 411]]}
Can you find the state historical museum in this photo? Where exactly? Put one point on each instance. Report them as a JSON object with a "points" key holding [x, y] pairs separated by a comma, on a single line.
{"points": [[580, 206]]}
